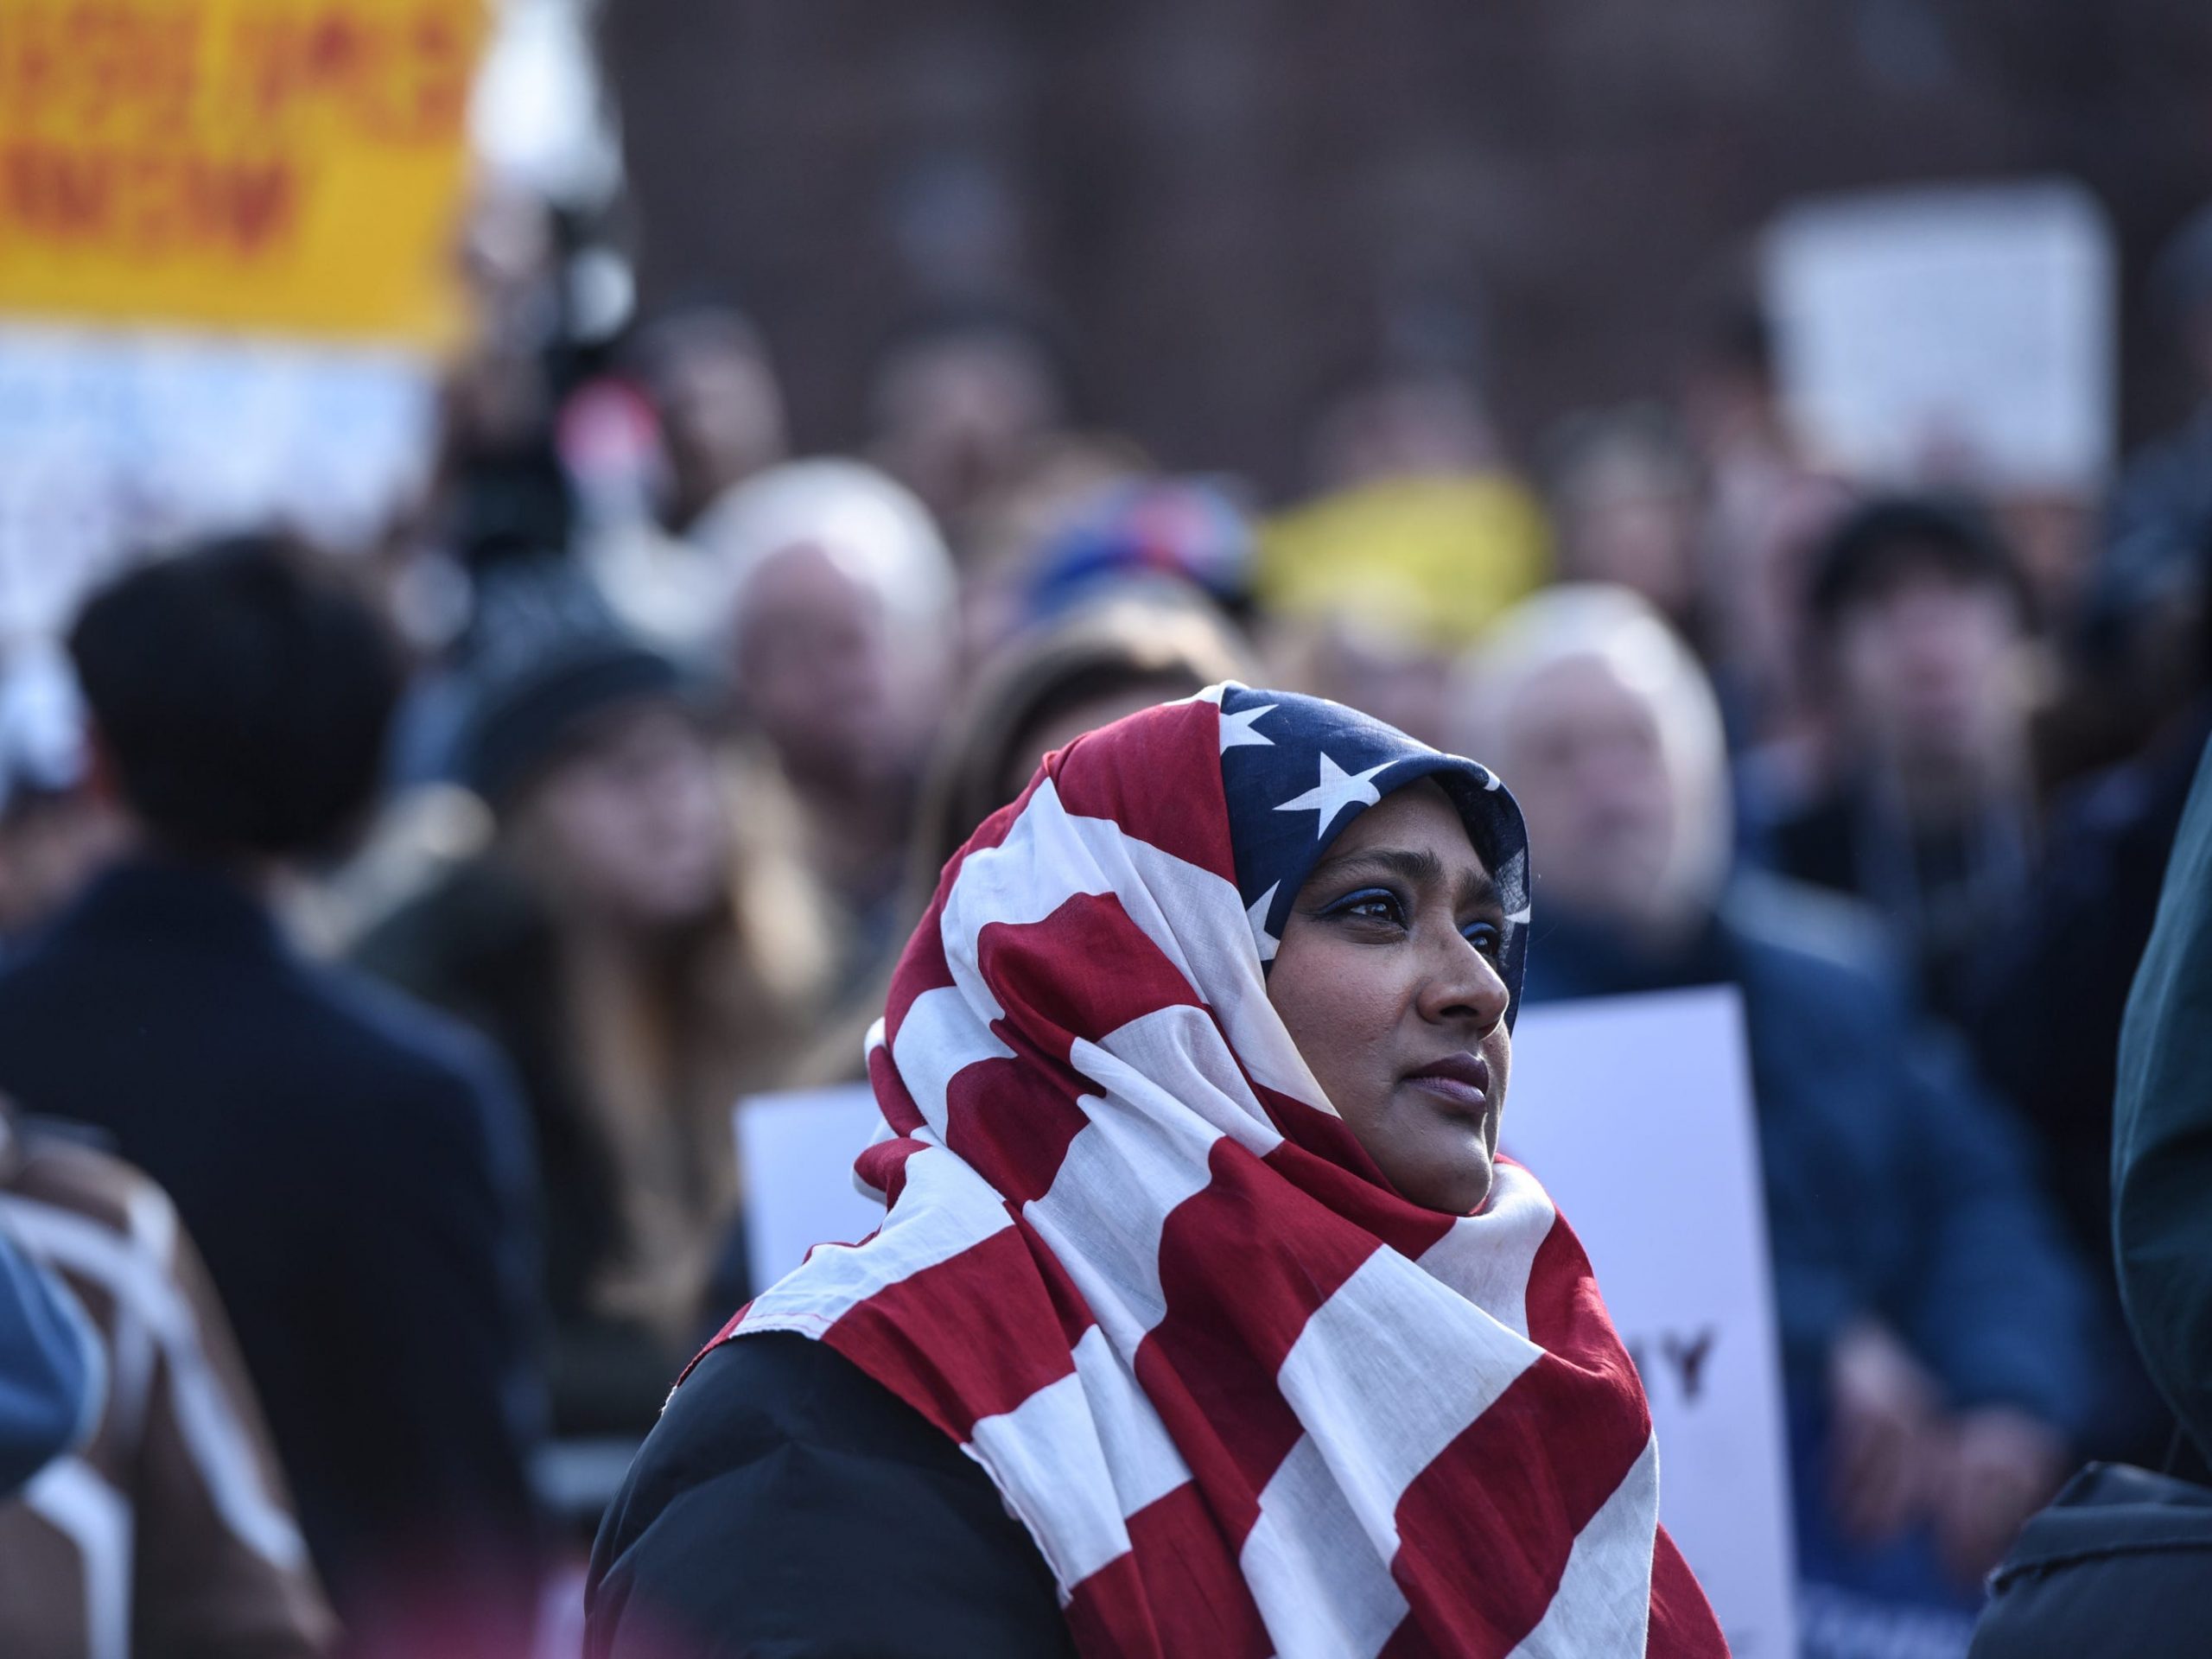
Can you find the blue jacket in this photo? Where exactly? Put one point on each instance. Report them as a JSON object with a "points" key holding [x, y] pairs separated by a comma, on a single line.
{"points": [[50, 1379]]}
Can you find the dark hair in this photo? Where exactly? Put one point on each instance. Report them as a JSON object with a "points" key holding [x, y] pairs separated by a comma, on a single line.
{"points": [[1151, 643], [242, 701], [1884, 539]]}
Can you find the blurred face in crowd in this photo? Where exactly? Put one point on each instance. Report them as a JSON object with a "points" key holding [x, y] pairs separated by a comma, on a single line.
{"points": [[1629, 518], [823, 675], [631, 827], [1387, 978], [1586, 760], [955, 417], [721, 413], [1929, 671], [1419, 426]]}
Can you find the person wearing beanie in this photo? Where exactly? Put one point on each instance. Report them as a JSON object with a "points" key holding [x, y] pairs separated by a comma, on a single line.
{"points": [[636, 942]]}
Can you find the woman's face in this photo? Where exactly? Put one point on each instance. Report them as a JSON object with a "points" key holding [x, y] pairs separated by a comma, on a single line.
{"points": [[632, 829], [1387, 975]]}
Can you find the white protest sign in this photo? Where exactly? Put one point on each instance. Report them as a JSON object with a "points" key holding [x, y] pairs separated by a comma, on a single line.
{"points": [[1636, 1113], [112, 440], [796, 1151], [1950, 334]]}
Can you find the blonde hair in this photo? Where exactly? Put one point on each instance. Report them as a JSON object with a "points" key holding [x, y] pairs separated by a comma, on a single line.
{"points": [[1625, 634]]}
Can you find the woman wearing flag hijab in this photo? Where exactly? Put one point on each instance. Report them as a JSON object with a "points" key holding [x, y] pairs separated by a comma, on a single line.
{"points": [[1205, 1320]]}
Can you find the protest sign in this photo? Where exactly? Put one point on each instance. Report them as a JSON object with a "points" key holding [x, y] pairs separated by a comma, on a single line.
{"points": [[795, 1153], [288, 166], [1960, 335], [1635, 1113], [115, 440]]}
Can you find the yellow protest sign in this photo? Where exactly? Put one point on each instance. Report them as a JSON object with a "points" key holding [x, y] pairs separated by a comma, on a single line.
{"points": [[288, 166]]}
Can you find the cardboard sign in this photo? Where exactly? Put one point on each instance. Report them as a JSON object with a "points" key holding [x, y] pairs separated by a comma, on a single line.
{"points": [[1960, 335], [1635, 1113], [292, 166]]}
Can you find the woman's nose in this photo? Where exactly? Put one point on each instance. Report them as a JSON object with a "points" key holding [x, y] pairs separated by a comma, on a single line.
{"points": [[1464, 986]]}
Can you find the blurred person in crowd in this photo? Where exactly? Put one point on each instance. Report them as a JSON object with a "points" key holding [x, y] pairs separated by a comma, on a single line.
{"points": [[2045, 1008], [841, 637], [2157, 529], [1204, 1320], [1929, 813], [1040, 692], [706, 376], [358, 1174], [56, 828], [52, 1374], [1932, 1320], [641, 948], [1409, 418], [1624, 495], [961, 399], [1765, 510], [168, 1531], [1065, 476], [707, 373], [1419, 537], [1184, 537]]}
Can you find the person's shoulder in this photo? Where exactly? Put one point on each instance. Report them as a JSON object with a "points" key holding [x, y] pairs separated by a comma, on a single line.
{"points": [[750, 1398], [390, 1065], [465, 922], [753, 1393], [860, 1526]]}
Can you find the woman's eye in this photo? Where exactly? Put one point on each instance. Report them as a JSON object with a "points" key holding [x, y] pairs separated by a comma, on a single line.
{"points": [[1487, 938], [1373, 907]]}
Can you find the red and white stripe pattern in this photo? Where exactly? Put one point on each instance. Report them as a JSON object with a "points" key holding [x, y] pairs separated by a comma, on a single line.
{"points": [[1246, 1399]]}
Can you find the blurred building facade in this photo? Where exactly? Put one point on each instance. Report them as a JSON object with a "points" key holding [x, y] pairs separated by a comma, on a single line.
{"points": [[1235, 205]]}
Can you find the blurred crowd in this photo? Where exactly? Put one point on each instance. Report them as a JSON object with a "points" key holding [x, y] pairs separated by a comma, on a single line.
{"points": [[389, 930]]}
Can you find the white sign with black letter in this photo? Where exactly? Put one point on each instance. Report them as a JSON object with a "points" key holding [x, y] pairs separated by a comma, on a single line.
{"points": [[1636, 1113]]}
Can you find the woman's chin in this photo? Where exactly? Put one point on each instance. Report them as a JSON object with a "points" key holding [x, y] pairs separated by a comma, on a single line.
{"points": [[1457, 1185]]}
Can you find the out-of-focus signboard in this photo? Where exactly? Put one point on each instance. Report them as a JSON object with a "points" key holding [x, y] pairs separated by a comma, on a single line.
{"points": [[1960, 333], [283, 166]]}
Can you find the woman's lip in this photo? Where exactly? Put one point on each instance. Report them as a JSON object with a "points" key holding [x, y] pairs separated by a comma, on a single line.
{"points": [[1463, 1079]]}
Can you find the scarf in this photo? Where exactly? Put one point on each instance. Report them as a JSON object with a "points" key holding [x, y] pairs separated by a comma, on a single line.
{"points": [[1245, 1398]]}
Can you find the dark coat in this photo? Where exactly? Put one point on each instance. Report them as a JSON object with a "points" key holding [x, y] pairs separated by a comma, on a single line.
{"points": [[478, 945], [787, 1504], [357, 1177], [2161, 1132]]}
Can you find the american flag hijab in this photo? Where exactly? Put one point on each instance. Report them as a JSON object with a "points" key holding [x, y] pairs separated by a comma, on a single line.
{"points": [[1246, 1398]]}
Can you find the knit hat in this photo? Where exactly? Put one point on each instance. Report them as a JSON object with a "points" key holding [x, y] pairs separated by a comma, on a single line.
{"points": [[549, 660]]}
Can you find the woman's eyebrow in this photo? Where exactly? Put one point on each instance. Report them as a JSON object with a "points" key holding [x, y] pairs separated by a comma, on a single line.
{"points": [[1417, 867]]}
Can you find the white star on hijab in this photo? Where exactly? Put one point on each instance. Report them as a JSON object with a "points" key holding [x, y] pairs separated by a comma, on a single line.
{"points": [[1338, 790]]}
